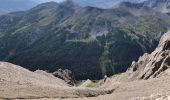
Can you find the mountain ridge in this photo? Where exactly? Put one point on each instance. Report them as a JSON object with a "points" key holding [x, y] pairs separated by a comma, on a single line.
{"points": [[9, 6], [158, 5], [65, 35], [41, 85], [64, 51], [104, 4]]}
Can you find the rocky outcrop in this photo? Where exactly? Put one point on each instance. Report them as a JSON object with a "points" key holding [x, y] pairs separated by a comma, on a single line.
{"points": [[65, 75], [158, 5], [154, 64]]}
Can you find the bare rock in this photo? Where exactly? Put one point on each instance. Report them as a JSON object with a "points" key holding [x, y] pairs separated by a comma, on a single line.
{"points": [[86, 83], [66, 75], [154, 64]]}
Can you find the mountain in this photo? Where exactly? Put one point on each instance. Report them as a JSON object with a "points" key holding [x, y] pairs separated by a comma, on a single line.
{"points": [[159, 5], [155, 64], [89, 41], [103, 3], [22, 5], [17, 82], [97, 3]]}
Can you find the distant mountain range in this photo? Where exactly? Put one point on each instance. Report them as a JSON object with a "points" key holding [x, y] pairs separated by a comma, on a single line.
{"points": [[21, 5], [103, 3], [159, 5]]}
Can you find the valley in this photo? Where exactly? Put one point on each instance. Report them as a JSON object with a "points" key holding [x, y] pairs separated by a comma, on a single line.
{"points": [[40, 85], [97, 44], [85, 50]]}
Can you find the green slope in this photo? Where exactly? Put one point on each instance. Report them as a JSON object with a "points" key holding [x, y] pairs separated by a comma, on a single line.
{"points": [[89, 41]]}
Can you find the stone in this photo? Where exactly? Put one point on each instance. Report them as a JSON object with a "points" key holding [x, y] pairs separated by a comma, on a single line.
{"points": [[154, 64]]}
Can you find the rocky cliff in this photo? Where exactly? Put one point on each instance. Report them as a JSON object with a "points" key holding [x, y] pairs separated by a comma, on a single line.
{"points": [[155, 64]]}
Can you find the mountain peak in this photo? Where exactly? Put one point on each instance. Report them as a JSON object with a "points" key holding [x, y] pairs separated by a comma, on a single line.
{"points": [[47, 5], [129, 5], [105, 4], [70, 4]]}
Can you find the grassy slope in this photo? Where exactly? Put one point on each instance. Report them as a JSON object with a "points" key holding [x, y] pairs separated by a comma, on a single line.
{"points": [[52, 36]]}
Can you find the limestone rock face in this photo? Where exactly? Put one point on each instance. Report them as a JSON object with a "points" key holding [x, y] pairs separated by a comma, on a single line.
{"points": [[152, 65], [66, 75]]}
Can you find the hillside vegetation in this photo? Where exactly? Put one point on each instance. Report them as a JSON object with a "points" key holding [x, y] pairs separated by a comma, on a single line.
{"points": [[89, 41]]}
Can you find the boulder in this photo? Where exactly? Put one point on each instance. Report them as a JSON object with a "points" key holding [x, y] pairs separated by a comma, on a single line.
{"points": [[66, 75]]}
